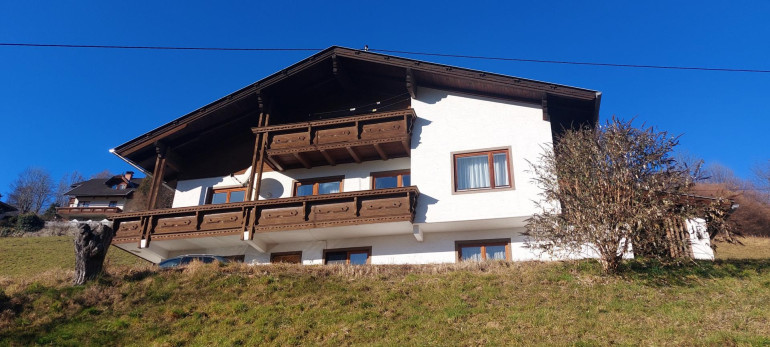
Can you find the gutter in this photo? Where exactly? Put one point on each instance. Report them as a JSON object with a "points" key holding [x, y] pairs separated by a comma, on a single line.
{"points": [[136, 166]]}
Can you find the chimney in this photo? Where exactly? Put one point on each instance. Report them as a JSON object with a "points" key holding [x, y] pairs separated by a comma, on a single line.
{"points": [[129, 175]]}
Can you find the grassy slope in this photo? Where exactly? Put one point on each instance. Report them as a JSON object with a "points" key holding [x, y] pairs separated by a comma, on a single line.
{"points": [[25, 256], [751, 248], [725, 302]]}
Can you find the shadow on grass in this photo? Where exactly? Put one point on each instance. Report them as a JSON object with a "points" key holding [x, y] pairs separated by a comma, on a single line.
{"points": [[690, 273]]}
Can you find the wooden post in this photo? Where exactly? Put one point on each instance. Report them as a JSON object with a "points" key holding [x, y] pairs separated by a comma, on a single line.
{"points": [[157, 174], [261, 163], [252, 175]]}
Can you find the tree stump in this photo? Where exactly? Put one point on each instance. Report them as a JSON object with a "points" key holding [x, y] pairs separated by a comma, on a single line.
{"points": [[91, 245]]}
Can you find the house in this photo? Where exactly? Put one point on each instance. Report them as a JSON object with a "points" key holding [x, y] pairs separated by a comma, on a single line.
{"points": [[353, 157], [7, 210], [99, 197]]}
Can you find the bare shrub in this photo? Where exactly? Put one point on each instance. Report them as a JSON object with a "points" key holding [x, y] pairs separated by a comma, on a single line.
{"points": [[609, 188]]}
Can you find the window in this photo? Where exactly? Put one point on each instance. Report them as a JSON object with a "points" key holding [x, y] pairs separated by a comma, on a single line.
{"points": [[391, 179], [349, 256], [286, 257], [84, 203], [482, 170], [113, 204], [480, 250], [222, 196], [318, 186]]}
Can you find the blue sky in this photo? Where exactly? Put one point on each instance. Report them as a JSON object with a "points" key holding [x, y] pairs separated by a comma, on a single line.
{"points": [[62, 109]]}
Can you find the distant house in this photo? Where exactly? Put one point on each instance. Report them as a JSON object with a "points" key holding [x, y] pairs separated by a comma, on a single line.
{"points": [[99, 197], [7, 210]]}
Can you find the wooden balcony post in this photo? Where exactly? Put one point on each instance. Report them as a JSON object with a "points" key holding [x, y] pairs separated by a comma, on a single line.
{"points": [[261, 163], [157, 175], [255, 155]]}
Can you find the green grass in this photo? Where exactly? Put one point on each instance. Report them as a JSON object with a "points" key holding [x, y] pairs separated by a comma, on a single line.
{"points": [[27, 256], [726, 302]]}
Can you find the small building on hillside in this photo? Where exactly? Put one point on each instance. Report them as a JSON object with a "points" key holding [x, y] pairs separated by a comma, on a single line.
{"points": [[99, 197], [7, 210]]}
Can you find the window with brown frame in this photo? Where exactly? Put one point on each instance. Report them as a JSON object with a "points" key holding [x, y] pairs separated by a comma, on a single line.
{"points": [[483, 170], [286, 257], [348, 256], [318, 186], [391, 179], [481, 250], [226, 195]]}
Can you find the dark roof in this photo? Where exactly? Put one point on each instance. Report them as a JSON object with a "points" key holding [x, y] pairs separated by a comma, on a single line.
{"points": [[100, 187], [329, 81], [6, 208]]}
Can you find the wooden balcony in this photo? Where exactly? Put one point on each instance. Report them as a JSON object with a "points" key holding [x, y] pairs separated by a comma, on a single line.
{"points": [[376, 136], [296, 213], [87, 211]]}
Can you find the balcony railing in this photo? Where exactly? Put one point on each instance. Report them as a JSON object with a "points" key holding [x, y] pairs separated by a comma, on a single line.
{"points": [[296, 213], [376, 136], [87, 211]]}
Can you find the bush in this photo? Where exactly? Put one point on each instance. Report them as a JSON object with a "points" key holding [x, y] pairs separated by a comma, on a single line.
{"points": [[29, 222]]}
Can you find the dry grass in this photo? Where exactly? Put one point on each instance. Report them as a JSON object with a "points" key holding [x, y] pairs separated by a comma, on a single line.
{"points": [[33, 255], [727, 302], [752, 247]]}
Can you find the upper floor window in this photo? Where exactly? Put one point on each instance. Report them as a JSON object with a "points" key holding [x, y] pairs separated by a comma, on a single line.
{"points": [[391, 179], [84, 203], [318, 186], [113, 204], [482, 170], [226, 195]]}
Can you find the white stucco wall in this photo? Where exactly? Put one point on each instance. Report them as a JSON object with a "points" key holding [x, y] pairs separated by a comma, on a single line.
{"points": [[279, 184], [451, 122], [699, 239]]}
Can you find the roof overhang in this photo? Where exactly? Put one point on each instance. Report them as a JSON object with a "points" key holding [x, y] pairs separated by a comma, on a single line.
{"points": [[333, 71]]}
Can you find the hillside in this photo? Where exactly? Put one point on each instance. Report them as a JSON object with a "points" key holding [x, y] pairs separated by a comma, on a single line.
{"points": [[726, 302], [25, 256]]}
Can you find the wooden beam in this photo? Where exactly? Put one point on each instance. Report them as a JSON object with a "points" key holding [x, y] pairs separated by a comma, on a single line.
{"points": [[343, 78], [302, 160], [275, 163], [157, 174], [353, 154], [254, 158], [410, 83], [152, 139], [328, 157], [261, 162], [407, 148], [544, 104], [383, 155]]}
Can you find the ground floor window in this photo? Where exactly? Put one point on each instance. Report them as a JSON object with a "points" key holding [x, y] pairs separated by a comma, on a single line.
{"points": [[286, 257], [349, 256], [480, 250]]}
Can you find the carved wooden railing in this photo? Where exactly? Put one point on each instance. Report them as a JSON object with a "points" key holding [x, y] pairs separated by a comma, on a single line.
{"points": [[306, 212], [365, 137], [87, 210]]}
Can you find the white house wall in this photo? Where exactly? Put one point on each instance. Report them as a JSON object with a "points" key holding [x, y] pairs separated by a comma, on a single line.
{"points": [[451, 122], [699, 239], [279, 184]]}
